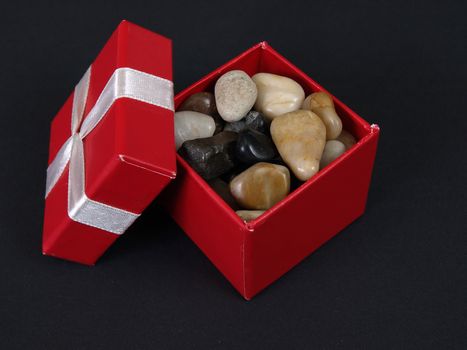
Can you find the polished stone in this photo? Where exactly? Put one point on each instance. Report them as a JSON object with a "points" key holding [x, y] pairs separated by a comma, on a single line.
{"points": [[239, 168], [332, 150], [235, 94], [321, 103], [202, 102], [213, 156], [277, 94], [222, 189], [249, 215], [189, 125], [253, 120], [261, 186], [347, 139], [220, 123], [300, 137], [254, 146]]}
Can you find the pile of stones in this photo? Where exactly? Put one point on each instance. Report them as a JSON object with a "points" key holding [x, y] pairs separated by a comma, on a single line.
{"points": [[254, 139]]}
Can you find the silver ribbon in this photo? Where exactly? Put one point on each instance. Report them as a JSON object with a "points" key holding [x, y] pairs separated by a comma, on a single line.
{"points": [[124, 82]]}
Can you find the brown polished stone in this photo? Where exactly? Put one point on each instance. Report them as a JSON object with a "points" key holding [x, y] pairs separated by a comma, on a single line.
{"points": [[211, 156], [261, 186], [202, 102], [347, 139]]}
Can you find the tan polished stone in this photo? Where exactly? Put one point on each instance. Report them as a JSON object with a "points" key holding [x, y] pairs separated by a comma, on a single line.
{"points": [[321, 104], [249, 215], [277, 94], [332, 150], [347, 139], [261, 186], [300, 137], [235, 94]]}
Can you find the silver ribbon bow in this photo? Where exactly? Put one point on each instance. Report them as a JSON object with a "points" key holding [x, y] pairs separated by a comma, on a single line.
{"points": [[124, 82]]}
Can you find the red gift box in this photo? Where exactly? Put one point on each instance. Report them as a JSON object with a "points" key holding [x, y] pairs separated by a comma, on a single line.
{"points": [[253, 255], [113, 139], [128, 156]]}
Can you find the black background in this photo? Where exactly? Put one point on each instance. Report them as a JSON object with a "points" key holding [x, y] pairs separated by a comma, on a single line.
{"points": [[396, 278]]}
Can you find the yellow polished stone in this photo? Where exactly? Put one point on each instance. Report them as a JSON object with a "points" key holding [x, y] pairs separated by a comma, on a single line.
{"points": [[321, 104], [300, 137], [248, 215], [261, 186]]}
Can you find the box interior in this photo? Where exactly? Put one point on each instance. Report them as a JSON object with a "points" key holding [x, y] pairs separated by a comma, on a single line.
{"points": [[262, 58]]}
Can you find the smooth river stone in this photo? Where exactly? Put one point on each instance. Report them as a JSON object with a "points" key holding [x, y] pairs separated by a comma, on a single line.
{"points": [[261, 186], [212, 156], [253, 147], [235, 94], [300, 137], [202, 102], [277, 94], [189, 125], [332, 150], [249, 215], [219, 123], [239, 168], [253, 120], [347, 139], [222, 189], [321, 104]]}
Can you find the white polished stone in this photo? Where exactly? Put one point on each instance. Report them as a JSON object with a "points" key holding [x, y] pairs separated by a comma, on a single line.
{"points": [[332, 150], [277, 94], [191, 125]]}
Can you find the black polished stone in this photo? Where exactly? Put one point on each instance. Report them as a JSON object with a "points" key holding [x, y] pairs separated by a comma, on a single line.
{"points": [[239, 168], [222, 189], [253, 120], [219, 123], [211, 156], [254, 146]]}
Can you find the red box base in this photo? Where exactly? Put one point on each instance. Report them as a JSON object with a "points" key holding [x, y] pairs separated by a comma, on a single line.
{"points": [[253, 255]]}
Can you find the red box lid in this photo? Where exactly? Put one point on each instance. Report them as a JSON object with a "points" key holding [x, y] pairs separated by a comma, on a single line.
{"points": [[112, 146]]}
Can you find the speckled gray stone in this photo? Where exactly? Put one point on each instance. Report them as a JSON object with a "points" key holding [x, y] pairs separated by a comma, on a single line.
{"points": [[235, 94]]}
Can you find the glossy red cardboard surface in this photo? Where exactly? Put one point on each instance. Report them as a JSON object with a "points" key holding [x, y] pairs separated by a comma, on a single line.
{"points": [[129, 156], [253, 255]]}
